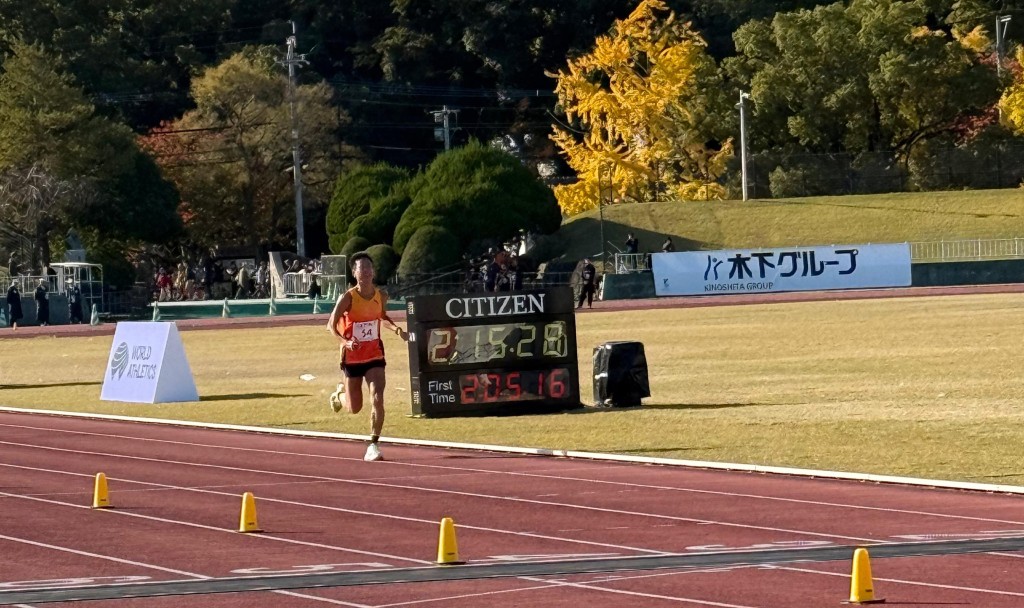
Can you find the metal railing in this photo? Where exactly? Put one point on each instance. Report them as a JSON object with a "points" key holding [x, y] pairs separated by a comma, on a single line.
{"points": [[967, 250], [296, 285], [626, 263]]}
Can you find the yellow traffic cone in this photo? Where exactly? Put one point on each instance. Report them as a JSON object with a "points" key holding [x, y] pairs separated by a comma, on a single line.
{"points": [[100, 497], [862, 589], [247, 522], [447, 546]]}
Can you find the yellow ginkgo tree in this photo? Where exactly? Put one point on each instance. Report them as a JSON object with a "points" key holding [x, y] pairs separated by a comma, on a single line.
{"points": [[1011, 104], [639, 112]]}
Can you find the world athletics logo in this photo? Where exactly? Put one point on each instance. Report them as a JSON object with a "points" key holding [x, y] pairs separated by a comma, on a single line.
{"points": [[120, 360]]}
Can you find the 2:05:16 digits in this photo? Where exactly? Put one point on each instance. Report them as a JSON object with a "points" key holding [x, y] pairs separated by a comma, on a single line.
{"points": [[499, 342], [491, 387]]}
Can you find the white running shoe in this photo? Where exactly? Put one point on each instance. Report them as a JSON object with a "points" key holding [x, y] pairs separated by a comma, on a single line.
{"points": [[338, 398], [372, 453]]}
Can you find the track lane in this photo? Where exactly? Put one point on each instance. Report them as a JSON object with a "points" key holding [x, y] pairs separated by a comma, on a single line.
{"points": [[422, 467]]}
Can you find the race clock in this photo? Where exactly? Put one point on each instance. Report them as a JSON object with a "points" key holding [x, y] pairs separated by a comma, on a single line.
{"points": [[493, 353]]}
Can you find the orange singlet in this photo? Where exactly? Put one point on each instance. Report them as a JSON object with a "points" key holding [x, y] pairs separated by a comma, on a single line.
{"points": [[362, 322]]}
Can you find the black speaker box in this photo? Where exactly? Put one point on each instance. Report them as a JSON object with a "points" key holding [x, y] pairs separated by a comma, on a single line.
{"points": [[620, 374]]}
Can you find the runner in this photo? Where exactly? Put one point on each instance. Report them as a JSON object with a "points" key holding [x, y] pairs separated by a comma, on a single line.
{"points": [[356, 322]]}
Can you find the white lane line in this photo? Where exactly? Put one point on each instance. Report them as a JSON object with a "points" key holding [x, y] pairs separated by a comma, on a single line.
{"points": [[103, 557], [153, 567], [266, 537], [502, 449], [466, 494], [681, 600], [906, 582], [470, 470], [418, 520], [554, 583]]}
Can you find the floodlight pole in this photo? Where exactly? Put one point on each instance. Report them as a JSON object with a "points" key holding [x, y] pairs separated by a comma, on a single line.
{"points": [[292, 60], [743, 140], [1002, 23]]}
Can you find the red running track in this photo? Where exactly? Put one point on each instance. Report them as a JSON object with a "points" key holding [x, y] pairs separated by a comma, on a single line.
{"points": [[176, 495]]}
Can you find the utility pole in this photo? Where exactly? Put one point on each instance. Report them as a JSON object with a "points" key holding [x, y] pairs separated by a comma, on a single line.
{"points": [[744, 96], [292, 60], [605, 189], [1002, 24], [444, 132]]}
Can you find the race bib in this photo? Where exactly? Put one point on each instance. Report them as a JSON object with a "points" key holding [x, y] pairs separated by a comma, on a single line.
{"points": [[364, 331]]}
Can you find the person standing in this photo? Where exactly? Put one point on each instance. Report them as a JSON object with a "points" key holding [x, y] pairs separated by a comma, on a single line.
{"points": [[632, 244], [242, 278], [75, 304], [14, 305], [668, 246], [314, 292], [42, 304], [356, 323], [588, 283]]}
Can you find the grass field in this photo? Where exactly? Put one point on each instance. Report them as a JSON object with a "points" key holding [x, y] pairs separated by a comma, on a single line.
{"points": [[880, 218], [928, 387]]}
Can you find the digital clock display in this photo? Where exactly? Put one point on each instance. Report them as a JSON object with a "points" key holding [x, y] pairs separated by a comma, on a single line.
{"points": [[495, 344], [526, 385], [493, 353]]}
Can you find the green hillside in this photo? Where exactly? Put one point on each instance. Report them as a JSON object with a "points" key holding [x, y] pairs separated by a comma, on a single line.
{"points": [[884, 218]]}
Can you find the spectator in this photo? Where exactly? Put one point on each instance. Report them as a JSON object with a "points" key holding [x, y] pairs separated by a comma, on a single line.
{"points": [[163, 285], [263, 281], [42, 304], [632, 244], [242, 279], [75, 304], [667, 246], [314, 292], [209, 275], [588, 283], [14, 304]]}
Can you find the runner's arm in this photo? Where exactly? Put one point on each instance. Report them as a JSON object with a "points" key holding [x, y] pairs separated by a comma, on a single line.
{"points": [[401, 333], [340, 307]]}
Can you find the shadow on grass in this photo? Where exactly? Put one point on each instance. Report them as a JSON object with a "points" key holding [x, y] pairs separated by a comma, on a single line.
{"points": [[51, 385], [246, 396], [597, 409], [649, 451]]}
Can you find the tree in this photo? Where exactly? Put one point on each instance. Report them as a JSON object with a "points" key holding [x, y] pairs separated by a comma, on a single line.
{"points": [[356, 191], [35, 206], [1011, 104], [870, 75], [430, 249], [230, 158], [478, 193], [642, 100], [134, 57], [52, 139]]}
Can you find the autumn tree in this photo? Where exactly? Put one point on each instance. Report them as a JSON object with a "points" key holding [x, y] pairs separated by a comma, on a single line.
{"points": [[870, 75], [64, 166], [639, 105], [1011, 104], [230, 158]]}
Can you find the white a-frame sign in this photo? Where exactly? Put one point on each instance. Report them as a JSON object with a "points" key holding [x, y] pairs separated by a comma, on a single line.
{"points": [[147, 364]]}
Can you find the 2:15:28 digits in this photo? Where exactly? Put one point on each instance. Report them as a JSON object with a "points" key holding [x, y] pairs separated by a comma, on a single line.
{"points": [[498, 342]]}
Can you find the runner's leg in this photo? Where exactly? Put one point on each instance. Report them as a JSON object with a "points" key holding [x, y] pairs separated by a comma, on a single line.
{"points": [[376, 379]]}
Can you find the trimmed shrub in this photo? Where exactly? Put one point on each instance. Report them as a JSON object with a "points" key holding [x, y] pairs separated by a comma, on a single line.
{"points": [[431, 249], [355, 192], [353, 245], [385, 262], [478, 192]]}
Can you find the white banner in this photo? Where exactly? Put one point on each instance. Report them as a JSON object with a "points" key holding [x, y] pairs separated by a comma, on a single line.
{"points": [[147, 364], [694, 273]]}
